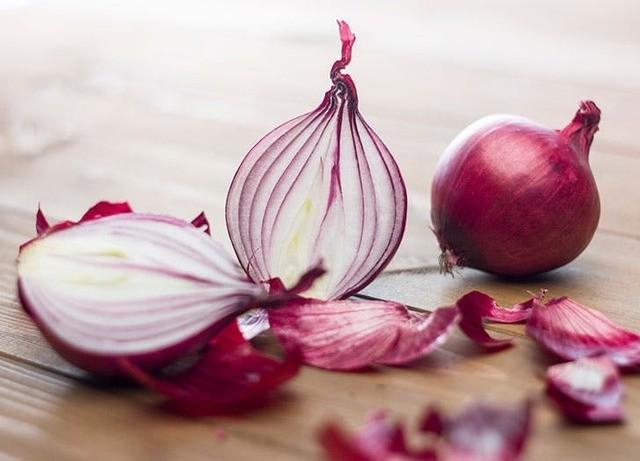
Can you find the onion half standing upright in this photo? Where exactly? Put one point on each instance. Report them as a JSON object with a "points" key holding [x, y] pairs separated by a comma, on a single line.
{"points": [[320, 187], [514, 198]]}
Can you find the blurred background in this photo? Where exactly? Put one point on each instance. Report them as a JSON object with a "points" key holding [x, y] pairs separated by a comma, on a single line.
{"points": [[156, 102]]}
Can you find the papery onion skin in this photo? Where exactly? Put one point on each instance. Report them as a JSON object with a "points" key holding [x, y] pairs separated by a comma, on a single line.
{"points": [[484, 431], [191, 258], [351, 335], [230, 376], [572, 331], [476, 307], [587, 390], [380, 439], [514, 198], [322, 186]]}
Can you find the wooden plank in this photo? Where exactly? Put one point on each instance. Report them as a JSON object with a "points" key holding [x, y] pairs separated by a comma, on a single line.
{"points": [[605, 277], [45, 416]]}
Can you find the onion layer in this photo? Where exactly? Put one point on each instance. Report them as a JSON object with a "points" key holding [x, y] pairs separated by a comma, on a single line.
{"points": [[380, 439], [587, 390], [514, 198], [348, 335], [483, 431], [322, 186], [480, 432], [573, 331], [476, 307], [231, 376], [119, 284]]}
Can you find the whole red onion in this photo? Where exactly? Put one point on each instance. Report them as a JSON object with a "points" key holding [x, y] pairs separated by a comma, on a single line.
{"points": [[514, 198]]}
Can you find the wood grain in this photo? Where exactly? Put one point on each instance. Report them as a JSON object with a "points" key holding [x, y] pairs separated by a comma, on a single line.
{"points": [[157, 103]]}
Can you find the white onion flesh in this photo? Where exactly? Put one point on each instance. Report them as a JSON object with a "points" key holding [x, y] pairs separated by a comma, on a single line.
{"points": [[130, 283], [321, 187]]}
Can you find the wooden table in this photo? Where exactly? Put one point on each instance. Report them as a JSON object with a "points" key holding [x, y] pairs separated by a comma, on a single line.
{"points": [[156, 103]]}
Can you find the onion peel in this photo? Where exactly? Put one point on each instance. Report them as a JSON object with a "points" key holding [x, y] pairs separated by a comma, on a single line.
{"points": [[230, 376], [587, 390], [380, 439], [571, 331], [484, 431], [99, 210], [201, 222], [476, 307], [349, 335]]}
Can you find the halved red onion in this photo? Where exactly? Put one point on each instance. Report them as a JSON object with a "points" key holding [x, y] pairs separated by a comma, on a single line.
{"points": [[486, 432], [118, 284], [322, 186], [476, 307], [572, 331], [587, 390], [380, 439], [230, 376], [348, 335]]}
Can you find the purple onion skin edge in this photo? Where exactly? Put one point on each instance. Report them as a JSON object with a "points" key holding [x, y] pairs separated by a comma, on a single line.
{"points": [[513, 198]]}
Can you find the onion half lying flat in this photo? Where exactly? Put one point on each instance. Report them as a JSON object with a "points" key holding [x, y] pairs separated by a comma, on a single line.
{"points": [[322, 186], [120, 284]]}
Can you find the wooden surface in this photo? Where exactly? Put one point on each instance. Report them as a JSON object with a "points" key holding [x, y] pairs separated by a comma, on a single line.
{"points": [[157, 103]]}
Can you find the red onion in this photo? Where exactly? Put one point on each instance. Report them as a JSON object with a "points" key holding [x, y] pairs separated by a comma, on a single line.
{"points": [[322, 186], [514, 198], [119, 284]]}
